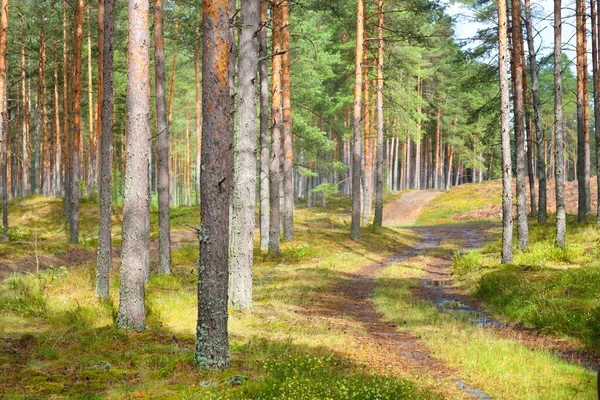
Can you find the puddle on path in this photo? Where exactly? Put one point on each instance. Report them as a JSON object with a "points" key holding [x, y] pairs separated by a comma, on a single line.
{"points": [[463, 312], [478, 394]]}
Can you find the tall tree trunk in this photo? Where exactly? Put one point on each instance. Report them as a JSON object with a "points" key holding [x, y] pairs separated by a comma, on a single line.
{"points": [[100, 94], [583, 140], [288, 152], [559, 167], [67, 133], [357, 114], [507, 224], [418, 137], [57, 136], [277, 118], [264, 128], [212, 344], [537, 109], [244, 156], [379, 168], [198, 112], [26, 123], [438, 147], [528, 135], [106, 153], [163, 132], [519, 121], [595, 17], [135, 252], [93, 150], [4, 137], [75, 153], [368, 166]]}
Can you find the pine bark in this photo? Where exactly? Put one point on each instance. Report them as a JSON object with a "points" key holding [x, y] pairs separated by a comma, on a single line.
{"points": [[595, 17], [368, 166], [100, 95], [519, 125], [104, 262], [198, 105], [277, 122], [135, 252], [379, 167], [57, 132], [163, 132], [241, 243], [583, 145], [212, 345], [507, 224], [76, 129], [559, 168], [4, 116], [93, 148], [26, 124], [357, 114], [288, 152], [264, 128]]}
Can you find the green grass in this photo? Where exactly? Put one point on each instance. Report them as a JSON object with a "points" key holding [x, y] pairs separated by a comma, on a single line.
{"points": [[500, 367], [58, 340]]}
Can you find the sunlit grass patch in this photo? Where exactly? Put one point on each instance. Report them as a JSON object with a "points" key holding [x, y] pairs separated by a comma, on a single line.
{"points": [[500, 367]]}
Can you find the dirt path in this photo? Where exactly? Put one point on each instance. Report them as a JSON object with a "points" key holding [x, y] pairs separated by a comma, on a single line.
{"points": [[407, 208]]}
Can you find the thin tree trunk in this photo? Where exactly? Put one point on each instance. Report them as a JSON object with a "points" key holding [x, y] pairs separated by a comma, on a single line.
{"points": [[277, 118], [379, 168], [264, 128], [57, 136], [100, 95], [288, 153], [26, 123], [212, 345], [507, 224], [4, 116], [67, 133], [519, 121], [357, 114], [583, 145], [75, 153], [163, 132], [198, 112], [559, 129], [93, 151], [135, 252], [106, 154], [596, 81], [368, 169]]}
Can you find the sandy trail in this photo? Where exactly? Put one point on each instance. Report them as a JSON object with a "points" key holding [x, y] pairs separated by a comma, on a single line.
{"points": [[406, 209]]}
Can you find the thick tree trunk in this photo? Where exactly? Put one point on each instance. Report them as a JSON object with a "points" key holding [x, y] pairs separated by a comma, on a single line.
{"points": [[559, 167], [357, 114], [288, 152], [75, 153], [163, 133], [277, 122], [519, 121], [379, 168], [264, 128], [583, 140], [241, 243], [106, 154], [212, 345], [507, 224], [135, 252]]}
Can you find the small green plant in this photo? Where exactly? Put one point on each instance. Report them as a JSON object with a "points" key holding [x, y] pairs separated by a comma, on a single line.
{"points": [[464, 263], [59, 273]]}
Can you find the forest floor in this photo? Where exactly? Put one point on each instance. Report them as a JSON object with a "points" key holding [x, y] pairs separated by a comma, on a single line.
{"points": [[400, 314]]}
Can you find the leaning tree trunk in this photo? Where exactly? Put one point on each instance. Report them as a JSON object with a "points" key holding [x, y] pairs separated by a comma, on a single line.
{"points": [[135, 252], [379, 167], [277, 122], [519, 121], [4, 115], [164, 144], [241, 242], [583, 145], [212, 344], [559, 166], [106, 153], [264, 128], [75, 150], [537, 110], [357, 114], [288, 153], [507, 224]]}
